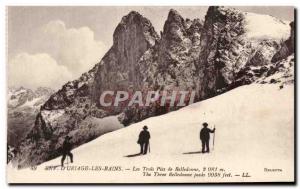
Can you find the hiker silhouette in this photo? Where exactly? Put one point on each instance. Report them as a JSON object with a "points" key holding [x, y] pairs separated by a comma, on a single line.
{"points": [[144, 140], [66, 150], [204, 137]]}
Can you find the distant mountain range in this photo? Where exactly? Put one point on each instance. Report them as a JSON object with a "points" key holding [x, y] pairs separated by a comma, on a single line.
{"points": [[23, 106]]}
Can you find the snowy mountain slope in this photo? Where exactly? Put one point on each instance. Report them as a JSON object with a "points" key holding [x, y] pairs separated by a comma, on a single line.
{"points": [[254, 130], [259, 26]]}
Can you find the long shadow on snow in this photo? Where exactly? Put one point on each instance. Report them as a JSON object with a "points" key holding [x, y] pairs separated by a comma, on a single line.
{"points": [[198, 152], [133, 155]]}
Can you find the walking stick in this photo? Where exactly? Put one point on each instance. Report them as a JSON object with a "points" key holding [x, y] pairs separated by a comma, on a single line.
{"points": [[149, 146], [214, 137]]}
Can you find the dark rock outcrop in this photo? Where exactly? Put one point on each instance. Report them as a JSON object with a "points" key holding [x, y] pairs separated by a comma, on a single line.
{"points": [[168, 66], [131, 39], [222, 48], [287, 48]]}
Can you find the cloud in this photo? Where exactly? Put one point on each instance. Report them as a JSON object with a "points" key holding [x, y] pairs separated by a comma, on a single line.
{"points": [[35, 70], [61, 54], [75, 48]]}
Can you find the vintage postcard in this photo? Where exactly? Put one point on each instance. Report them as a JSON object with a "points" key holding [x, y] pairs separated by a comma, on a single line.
{"points": [[113, 94]]}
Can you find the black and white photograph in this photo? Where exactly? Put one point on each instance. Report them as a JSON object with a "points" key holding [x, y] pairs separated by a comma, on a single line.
{"points": [[150, 94]]}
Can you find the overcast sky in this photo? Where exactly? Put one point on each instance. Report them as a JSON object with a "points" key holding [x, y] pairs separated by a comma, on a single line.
{"points": [[48, 46]]}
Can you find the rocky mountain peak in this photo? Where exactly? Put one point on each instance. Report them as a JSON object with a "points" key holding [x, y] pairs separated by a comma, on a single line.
{"points": [[133, 36], [224, 21], [174, 17], [135, 24], [131, 18], [174, 27], [179, 40], [221, 13]]}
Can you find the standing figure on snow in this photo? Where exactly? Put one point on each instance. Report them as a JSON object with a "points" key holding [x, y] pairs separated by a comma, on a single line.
{"points": [[66, 150], [204, 137], [144, 140]]}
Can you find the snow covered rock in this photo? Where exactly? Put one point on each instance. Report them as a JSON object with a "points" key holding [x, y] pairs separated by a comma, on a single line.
{"points": [[23, 106], [288, 46], [232, 39], [270, 63]]}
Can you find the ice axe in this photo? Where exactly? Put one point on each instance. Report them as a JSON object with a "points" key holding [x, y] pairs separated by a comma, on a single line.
{"points": [[214, 137]]}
